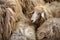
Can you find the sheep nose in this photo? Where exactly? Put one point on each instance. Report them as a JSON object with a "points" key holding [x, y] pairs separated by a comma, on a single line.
{"points": [[31, 20]]}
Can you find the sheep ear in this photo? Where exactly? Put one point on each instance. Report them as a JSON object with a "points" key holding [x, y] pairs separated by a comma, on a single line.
{"points": [[43, 15]]}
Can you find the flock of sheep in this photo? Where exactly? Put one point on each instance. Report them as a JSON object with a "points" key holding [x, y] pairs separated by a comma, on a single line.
{"points": [[47, 16], [29, 19]]}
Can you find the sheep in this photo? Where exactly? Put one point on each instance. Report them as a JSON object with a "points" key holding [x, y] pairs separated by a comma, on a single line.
{"points": [[10, 14], [49, 30], [44, 12], [7, 22], [24, 31]]}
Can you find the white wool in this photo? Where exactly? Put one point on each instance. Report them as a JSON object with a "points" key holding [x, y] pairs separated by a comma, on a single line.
{"points": [[50, 9], [42, 14], [34, 17]]}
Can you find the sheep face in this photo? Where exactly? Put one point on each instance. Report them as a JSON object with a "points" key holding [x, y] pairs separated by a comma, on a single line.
{"points": [[38, 14]]}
